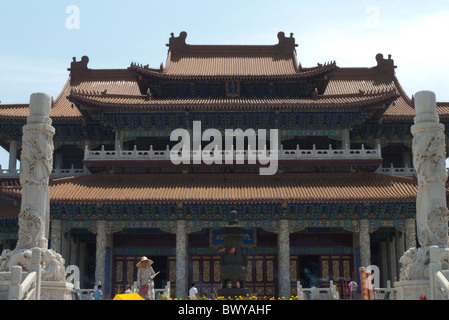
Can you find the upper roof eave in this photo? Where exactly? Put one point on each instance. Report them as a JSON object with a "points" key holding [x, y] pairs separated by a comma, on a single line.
{"points": [[309, 73], [62, 111], [144, 102]]}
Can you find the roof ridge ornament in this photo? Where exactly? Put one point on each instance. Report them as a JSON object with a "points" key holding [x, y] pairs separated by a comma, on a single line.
{"points": [[177, 43], [79, 66], [385, 65], [78, 69], [286, 43]]}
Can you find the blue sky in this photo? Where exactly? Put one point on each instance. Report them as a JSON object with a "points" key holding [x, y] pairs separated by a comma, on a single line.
{"points": [[38, 41]]}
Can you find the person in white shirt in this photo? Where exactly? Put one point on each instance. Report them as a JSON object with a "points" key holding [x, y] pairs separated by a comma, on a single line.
{"points": [[193, 291]]}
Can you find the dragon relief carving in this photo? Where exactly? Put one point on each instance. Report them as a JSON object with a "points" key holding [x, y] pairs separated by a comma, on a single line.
{"points": [[36, 158], [30, 224], [436, 232], [429, 156], [415, 261]]}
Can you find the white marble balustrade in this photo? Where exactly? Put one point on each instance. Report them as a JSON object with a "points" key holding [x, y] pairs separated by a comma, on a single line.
{"points": [[284, 154], [403, 172], [55, 173]]}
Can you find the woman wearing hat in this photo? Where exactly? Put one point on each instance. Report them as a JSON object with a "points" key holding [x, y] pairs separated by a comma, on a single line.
{"points": [[145, 276]]}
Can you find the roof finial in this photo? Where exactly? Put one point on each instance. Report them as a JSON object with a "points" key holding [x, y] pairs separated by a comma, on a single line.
{"points": [[287, 43], [385, 65], [78, 67], [176, 43]]}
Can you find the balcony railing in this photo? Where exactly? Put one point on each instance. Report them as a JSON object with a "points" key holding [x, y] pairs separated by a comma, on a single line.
{"points": [[283, 154], [403, 172], [56, 173], [164, 155]]}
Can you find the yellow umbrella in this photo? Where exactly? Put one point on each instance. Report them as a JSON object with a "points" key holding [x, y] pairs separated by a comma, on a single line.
{"points": [[128, 296]]}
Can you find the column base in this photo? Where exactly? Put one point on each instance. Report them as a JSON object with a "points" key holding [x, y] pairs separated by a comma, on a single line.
{"points": [[56, 290], [412, 289], [50, 290]]}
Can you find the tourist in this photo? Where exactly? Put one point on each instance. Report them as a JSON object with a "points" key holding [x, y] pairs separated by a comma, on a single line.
{"points": [[193, 291], [352, 289], [145, 276], [98, 294]]}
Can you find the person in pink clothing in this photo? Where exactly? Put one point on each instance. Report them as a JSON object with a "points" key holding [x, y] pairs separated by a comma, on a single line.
{"points": [[352, 289]]}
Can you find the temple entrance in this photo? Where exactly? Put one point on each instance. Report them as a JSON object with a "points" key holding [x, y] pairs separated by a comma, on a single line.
{"points": [[262, 275], [204, 270], [309, 271], [339, 269]]}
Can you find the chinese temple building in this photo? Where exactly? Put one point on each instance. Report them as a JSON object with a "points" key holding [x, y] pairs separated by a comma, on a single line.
{"points": [[343, 195]]}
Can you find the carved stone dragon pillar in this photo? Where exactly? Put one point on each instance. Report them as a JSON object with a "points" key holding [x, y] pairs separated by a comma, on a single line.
{"points": [[34, 217], [429, 155]]}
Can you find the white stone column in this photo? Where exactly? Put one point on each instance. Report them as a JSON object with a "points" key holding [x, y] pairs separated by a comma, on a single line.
{"points": [[400, 245], [119, 139], [100, 255], [74, 247], [36, 166], [410, 233], [391, 238], [181, 260], [407, 156], [385, 271], [58, 160], [429, 156], [56, 234], [365, 243], [65, 244], [284, 260], [355, 246], [345, 140], [34, 217], [12, 156]]}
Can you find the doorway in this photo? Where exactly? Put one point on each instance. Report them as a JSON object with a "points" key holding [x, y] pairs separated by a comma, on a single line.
{"points": [[125, 271], [309, 271]]}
